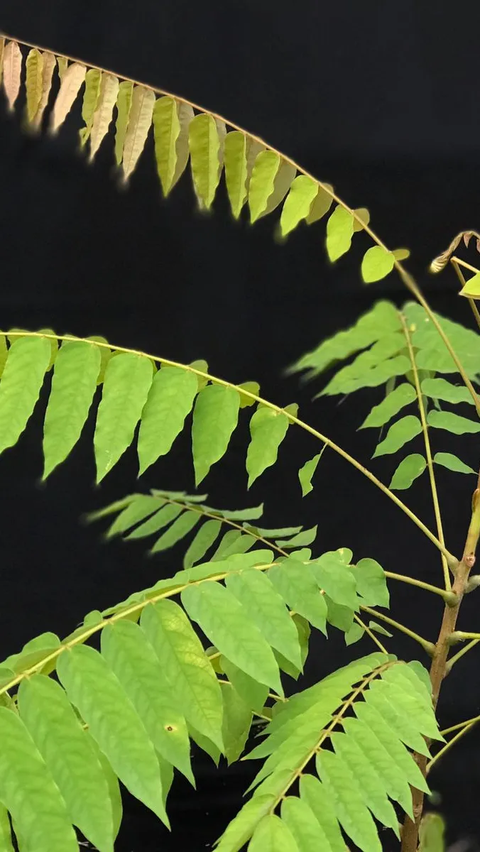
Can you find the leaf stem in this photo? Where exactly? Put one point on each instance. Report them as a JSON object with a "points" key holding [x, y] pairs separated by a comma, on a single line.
{"points": [[456, 657], [291, 417], [428, 450], [370, 633], [429, 647], [448, 745], [460, 725], [448, 596]]}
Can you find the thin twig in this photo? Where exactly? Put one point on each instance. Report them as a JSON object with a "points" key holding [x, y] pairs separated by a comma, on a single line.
{"points": [[448, 745], [429, 647], [456, 657]]}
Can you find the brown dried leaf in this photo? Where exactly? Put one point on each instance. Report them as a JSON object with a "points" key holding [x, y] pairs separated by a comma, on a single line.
{"points": [[72, 81], [12, 72], [141, 116], [104, 112]]}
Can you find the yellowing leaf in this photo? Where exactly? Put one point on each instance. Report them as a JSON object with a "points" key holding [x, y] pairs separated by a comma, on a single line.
{"points": [[262, 182], [401, 253], [236, 173], [93, 81], [48, 67], [298, 203], [472, 287], [205, 152], [363, 218], [63, 64], [407, 471], [321, 204], [34, 83], [283, 181], [124, 106], [339, 233], [12, 72], [376, 264], [104, 112], [251, 387], [171, 120], [72, 82], [141, 114]]}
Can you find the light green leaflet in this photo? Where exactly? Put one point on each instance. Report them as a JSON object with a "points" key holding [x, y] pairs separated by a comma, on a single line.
{"points": [[296, 585], [206, 143], [131, 657], [229, 627], [179, 529], [124, 106], [205, 537], [125, 389], [441, 389], [233, 542], [397, 399], [34, 651], [316, 797], [135, 511], [215, 416], [186, 667], [236, 170], [93, 82], [158, 521], [267, 609], [33, 82], [304, 825], [237, 720], [22, 379], [170, 400], [29, 793], [55, 728], [371, 582], [376, 264], [253, 693], [103, 115], [170, 121], [353, 634], [267, 429], [339, 233], [298, 203], [400, 712], [432, 826], [6, 844], [452, 462], [75, 375], [101, 701], [407, 471], [273, 835], [3, 353], [262, 183], [306, 472], [139, 123], [400, 433], [349, 806], [337, 581], [243, 825], [321, 204], [450, 422], [300, 540], [472, 287]]}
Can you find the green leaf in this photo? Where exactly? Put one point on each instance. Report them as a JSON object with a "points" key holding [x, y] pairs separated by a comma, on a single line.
{"points": [[236, 170], [401, 253], [179, 529], [304, 825], [409, 469], [215, 417], [29, 793], [296, 584], [139, 508], [273, 835], [6, 844], [205, 148], [450, 422], [34, 651], [186, 667], [306, 472], [432, 826], [250, 514], [125, 389], [339, 616], [441, 389], [335, 579], [170, 122], [315, 795], [354, 634], [339, 233], [377, 263], [237, 719], [103, 704], [93, 80], [398, 435], [203, 540], [452, 462], [169, 401], [321, 204], [472, 287], [377, 628], [380, 414], [267, 429], [229, 627], [22, 379], [266, 608], [233, 542], [298, 203], [251, 387], [262, 182], [349, 806], [300, 540], [124, 106], [57, 733], [371, 582], [253, 693], [241, 828], [275, 533], [400, 711], [133, 660], [75, 375]]}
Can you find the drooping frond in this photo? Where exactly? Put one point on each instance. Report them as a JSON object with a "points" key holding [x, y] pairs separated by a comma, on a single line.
{"points": [[256, 175], [373, 712], [380, 341], [125, 713]]}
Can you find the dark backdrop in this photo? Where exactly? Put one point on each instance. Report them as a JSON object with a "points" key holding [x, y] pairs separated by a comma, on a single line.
{"points": [[379, 100]]}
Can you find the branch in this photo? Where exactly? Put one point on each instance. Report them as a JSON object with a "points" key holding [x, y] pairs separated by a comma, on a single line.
{"points": [[449, 597]]}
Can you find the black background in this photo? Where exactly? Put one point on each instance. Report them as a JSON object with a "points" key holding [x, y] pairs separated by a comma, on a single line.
{"points": [[381, 101]]}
